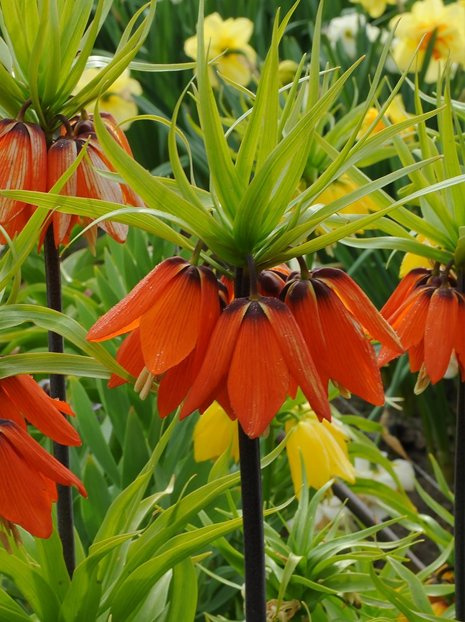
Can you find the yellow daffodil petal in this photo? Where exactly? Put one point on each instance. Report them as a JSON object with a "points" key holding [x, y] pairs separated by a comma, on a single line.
{"points": [[118, 100], [215, 433], [411, 261], [322, 448], [374, 8], [340, 188], [227, 40], [428, 17]]}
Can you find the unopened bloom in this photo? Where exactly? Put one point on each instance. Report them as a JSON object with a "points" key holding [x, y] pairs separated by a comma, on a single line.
{"points": [[170, 315], [214, 433], [118, 100], [227, 41], [255, 358], [428, 314], [23, 166], [87, 182], [427, 19], [286, 71], [21, 399], [322, 447], [29, 479], [375, 8], [333, 314], [272, 281]]}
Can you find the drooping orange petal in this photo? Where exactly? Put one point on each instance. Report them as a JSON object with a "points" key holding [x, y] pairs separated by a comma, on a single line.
{"points": [[217, 358], [170, 329], [350, 358], [37, 457], [61, 155], [416, 356], [301, 300], [295, 353], [38, 149], [459, 344], [386, 355], [360, 306], [9, 410], [177, 380], [17, 223], [130, 357], [440, 334], [6, 125], [39, 409], [15, 168], [258, 376], [116, 132], [125, 315], [91, 184], [410, 320], [24, 493], [402, 291]]}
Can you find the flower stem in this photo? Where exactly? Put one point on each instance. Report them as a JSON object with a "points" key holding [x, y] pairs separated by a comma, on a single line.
{"points": [[57, 389], [252, 510], [459, 529], [365, 516]]}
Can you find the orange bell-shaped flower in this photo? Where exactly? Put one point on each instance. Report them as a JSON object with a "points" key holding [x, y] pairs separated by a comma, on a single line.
{"points": [[87, 182], [170, 314], [29, 479], [333, 314], [23, 166], [21, 399], [255, 358], [428, 314]]}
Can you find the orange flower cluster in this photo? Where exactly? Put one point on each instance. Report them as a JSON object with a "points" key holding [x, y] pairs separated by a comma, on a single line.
{"points": [[187, 333], [29, 474], [27, 164], [428, 314]]}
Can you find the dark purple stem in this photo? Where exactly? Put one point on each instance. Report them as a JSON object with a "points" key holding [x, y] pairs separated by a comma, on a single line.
{"points": [[57, 389], [252, 509]]}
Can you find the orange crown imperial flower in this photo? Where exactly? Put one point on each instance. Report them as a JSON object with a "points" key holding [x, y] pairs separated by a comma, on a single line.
{"points": [[22, 398], [255, 358], [333, 314], [29, 479], [23, 162], [86, 182], [428, 314], [171, 314]]}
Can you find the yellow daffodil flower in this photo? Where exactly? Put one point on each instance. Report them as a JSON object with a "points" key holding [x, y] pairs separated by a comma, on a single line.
{"points": [[118, 100], [215, 433], [426, 19], [340, 188], [375, 8], [411, 261], [323, 449], [395, 113], [227, 42]]}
